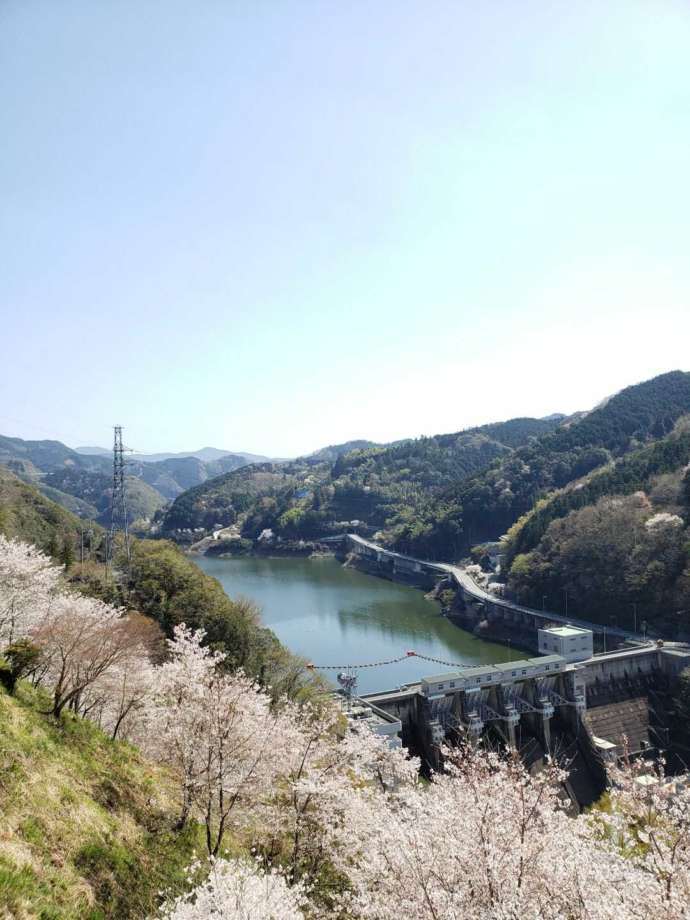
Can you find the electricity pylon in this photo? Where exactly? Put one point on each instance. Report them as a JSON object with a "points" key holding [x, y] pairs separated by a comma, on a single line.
{"points": [[118, 502]]}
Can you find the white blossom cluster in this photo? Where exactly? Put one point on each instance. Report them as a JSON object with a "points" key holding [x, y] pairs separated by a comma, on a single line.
{"points": [[241, 890], [341, 824], [484, 839], [92, 657], [663, 519], [28, 583]]}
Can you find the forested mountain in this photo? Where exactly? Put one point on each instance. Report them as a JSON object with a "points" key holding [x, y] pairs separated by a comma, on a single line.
{"points": [[81, 480], [92, 493], [333, 451], [219, 501], [616, 543], [490, 502], [375, 488]]}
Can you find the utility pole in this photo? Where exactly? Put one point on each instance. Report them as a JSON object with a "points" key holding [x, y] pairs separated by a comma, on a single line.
{"points": [[118, 502], [634, 607]]}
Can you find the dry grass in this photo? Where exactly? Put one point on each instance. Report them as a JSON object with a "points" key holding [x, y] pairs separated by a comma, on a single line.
{"points": [[85, 823]]}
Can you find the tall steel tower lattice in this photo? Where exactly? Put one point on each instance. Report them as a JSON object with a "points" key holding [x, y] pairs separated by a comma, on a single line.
{"points": [[118, 502]]}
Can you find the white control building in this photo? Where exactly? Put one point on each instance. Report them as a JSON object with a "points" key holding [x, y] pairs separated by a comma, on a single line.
{"points": [[570, 642]]}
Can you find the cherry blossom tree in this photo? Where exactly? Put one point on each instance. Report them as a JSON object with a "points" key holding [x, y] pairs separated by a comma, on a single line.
{"points": [[217, 730], [328, 776], [81, 641], [487, 840], [648, 819], [240, 734], [483, 841], [28, 583], [240, 890], [118, 700], [177, 712]]}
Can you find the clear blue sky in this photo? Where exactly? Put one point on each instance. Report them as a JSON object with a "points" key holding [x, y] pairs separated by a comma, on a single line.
{"points": [[269, 226]]}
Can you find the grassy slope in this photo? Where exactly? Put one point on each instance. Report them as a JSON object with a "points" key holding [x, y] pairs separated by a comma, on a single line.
{"points": [[85, 823]]}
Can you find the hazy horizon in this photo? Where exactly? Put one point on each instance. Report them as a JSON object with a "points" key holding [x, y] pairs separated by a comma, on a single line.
{"points": [[278, 227], [273, 455]]}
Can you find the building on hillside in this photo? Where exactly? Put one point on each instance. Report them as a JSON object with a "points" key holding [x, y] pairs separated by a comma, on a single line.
{"points": [[570, 642]]}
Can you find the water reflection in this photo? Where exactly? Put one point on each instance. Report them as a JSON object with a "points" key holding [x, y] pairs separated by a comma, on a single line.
{"points": [[335, 615]]}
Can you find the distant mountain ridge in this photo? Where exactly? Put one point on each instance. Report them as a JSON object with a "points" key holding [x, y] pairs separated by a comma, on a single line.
{"points": [[206, 454], [333, 451], [81, 480], [93, 451]]}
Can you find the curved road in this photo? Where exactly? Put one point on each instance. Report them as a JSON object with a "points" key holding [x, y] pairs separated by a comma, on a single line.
{"points": [[467, 583]]}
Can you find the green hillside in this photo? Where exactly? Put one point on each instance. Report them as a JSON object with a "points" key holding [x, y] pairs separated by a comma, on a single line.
{"points": [[32, 512], [221, 500], [487, 504], [388, 489], [142, 502], [87, 823], [617, 543], [636, 471], [71, 503], [29, 515]]}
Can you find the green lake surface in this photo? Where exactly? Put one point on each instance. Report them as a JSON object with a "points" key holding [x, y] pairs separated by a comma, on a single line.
{"points": [[338, 616]]}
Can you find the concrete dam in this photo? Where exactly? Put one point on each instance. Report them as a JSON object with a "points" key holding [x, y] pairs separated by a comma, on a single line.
{"points": [[583, 706]]}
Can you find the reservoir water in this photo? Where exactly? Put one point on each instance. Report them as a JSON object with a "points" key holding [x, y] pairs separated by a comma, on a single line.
{"points": [[337, 616]]}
